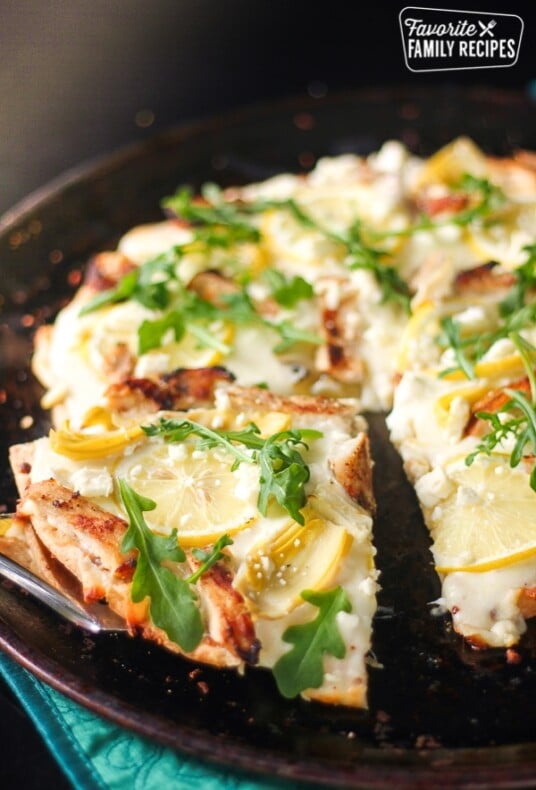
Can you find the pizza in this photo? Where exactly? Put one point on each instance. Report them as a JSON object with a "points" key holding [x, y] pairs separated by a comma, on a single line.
{"points": [[208, 473]]}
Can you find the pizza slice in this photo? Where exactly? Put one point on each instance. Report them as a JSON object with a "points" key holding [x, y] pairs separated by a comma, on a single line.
{"points": [[236, 533], [464, 421]]}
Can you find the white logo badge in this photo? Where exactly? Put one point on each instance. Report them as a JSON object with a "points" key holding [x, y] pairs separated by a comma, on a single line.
{"points": [[436, 39]]}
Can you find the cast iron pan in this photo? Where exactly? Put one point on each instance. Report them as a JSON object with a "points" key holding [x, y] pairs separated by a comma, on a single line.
{"points": [[440, 714]]}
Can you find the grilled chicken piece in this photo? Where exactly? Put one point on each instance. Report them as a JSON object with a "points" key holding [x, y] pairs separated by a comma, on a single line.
{"points": [[352, 468], [230, 622], [14, 544], [350, 462], [106, 269], [492, 402], [339, 355], [118, 363], [434, 205], [255, 398], [179, 390], [87, 539], [483, 279], [212, 286]]}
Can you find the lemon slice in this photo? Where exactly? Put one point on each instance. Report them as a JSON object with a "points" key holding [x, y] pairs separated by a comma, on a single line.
{"points": [[488, 521], [452, 162], [295, 558], [470, 393], [508, 366], [195, 491]]}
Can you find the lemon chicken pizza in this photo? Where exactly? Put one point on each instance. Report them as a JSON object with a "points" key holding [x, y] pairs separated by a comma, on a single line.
{"points": [[208, 472]]}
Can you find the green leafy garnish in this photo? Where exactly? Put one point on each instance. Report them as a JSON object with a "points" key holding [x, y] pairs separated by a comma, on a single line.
{"points": [[360, 254], [516, 418], [212, 212], [515, 314], [452, 337], [525, 274], [490, 199], [209, 558], [172, 604], [149, 284], [157, 286], [302, 667], [172, 599], [287, 291], [283, 471], [363, 256]]}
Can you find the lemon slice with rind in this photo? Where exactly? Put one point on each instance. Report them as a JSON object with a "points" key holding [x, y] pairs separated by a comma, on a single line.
{"points": [[452, 162], [504, 367], [295, 558], [195, 491], [489, 519], [470, 393]]}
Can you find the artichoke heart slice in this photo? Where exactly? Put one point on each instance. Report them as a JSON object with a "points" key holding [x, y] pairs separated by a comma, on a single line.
{"points": [[84, 445], [295, 558]]}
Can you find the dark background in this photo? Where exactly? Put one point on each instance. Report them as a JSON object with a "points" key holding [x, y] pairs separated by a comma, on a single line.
{"points": [[79, 79]]}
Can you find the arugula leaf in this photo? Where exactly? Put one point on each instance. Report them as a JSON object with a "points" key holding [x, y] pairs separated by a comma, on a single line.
{"points": [[152, 333], [525, 280], [120, 293], [522, 425], [452, 338], [148, 284], [212, 213], [302, 667], [283, 471], [491, 198], [241, 310], [287, 291], [209, 558], [179, 431], [172, 604], [236, 214], [515, 314]]}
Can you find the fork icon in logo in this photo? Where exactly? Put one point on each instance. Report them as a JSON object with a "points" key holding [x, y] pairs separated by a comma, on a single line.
{"points": [[487, 28]]}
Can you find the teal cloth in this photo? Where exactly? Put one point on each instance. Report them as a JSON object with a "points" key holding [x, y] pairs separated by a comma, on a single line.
{"points": [[98, 755]]}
